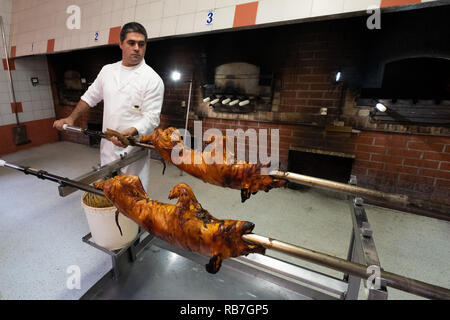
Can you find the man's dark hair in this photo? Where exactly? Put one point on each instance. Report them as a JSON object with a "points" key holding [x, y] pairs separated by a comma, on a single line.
{"points": [[132, 27]]}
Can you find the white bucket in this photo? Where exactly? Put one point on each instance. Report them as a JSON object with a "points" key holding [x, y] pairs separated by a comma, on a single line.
{"points": [[104, 230]]}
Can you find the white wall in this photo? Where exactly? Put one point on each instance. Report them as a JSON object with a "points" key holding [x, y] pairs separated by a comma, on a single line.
{"points": [[34, 22], [37, 102]]}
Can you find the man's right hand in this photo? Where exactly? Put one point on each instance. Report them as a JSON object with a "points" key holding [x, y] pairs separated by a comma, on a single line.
{"points": [[58, 124]]}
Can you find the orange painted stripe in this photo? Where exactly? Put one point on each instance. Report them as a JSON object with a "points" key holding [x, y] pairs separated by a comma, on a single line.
{"points": [[13, 52], [114, 35], [12, 66], [394, 3], [19, 107], [50, 45], [38, 131], [245, 14]]}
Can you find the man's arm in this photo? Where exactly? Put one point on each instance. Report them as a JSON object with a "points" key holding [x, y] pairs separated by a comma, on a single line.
{"points": [[151, 108], [90, 98], [81, 107]]}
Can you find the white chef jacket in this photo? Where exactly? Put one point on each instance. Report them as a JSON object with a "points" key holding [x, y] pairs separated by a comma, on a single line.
{"points": [[135, 102]]}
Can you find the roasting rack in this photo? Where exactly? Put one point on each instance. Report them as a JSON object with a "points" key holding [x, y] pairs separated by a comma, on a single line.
{"points": [[280, 277]]}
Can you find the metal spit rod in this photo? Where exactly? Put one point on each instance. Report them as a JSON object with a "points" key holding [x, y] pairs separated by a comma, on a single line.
{"points": [[392, 280], [102, 135], [361, 192], [44, 175]]}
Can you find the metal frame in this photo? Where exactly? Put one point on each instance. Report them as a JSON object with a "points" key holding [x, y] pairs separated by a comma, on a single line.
{"points": [[307, 282], [362, 250], [104, 171], [133, 249]]}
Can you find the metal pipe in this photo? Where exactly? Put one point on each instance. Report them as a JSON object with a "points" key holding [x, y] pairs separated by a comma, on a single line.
{"points": [[11, 86], [362, 192], [392, 280], [41, 174], [189, 104]]}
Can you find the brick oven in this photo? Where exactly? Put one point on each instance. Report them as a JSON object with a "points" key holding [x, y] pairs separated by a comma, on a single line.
{"points": [[288, 73]]}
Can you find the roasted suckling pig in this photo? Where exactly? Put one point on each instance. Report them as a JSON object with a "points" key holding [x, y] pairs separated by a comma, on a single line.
{"points": [[243, 176], [185, 224]]}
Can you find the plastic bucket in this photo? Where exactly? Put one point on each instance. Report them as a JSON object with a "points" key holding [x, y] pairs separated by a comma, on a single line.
{"points": [[104, 230]]}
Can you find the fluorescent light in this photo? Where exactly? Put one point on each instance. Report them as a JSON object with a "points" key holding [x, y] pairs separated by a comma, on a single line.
{"points": [[176, 76], [338, 76], [380, 107]]}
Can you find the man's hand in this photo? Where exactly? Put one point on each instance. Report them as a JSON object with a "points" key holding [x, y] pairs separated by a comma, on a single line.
{"points": [[58, 124], [128, 132]]}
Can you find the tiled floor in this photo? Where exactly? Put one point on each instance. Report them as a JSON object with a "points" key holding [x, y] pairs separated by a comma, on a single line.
{"points": [[40, 232]]}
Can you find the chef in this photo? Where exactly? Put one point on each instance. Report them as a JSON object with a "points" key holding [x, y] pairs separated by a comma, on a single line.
{"points": [[132, 93]]}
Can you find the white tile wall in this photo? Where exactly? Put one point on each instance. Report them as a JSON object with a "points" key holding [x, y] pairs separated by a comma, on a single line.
{"points": [[37, 101], [36, 21]]}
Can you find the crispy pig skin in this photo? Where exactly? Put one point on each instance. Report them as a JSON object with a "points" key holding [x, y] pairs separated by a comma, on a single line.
{"points": [[246, 177], [185, 224]]}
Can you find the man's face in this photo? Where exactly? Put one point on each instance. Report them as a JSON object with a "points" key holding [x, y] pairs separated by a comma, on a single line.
{"points": [[133, 49]]}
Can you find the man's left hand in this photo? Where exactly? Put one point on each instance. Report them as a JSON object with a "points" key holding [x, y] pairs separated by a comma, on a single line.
{"points": [[128, 132]]}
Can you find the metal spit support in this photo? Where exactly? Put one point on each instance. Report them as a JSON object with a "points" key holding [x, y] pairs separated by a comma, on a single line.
{"points": [[104, 171], [362, 250]]}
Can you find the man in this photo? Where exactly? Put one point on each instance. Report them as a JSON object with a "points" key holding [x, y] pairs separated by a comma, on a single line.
{"points": [[132, 93]]}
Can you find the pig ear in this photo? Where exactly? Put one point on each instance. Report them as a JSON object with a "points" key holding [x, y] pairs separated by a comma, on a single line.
{"points": [[185, 196]]}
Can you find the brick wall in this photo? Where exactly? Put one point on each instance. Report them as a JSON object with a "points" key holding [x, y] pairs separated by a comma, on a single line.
{"points": [[418, 166], [303, 59]]}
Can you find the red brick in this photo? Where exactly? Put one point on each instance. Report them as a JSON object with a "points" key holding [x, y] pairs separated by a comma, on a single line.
{"points": [[289, 94], [372, 149], [404, 153], [285, 132], [435, 156], [311, 78], [447, 148], [368, 164], [421, 163], [387, 159], [433, 139], [307, 110], [323, 87], [445, 166], [435, 173], [443, 183], [362, 156], [381, 141], [400, 169], [287, 108], [437, 147], [416, 179], [364, 140], [379, 178], [309, 94], [359, 171]]}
